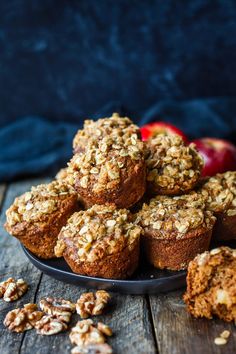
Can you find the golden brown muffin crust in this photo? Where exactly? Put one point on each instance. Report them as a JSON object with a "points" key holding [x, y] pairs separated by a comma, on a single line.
{"points": [[36, 217]]}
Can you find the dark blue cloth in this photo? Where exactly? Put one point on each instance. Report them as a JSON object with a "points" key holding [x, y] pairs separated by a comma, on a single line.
{"points": [[33, 145]]}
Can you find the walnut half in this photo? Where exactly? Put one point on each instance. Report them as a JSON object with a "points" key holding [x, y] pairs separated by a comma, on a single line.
{"points": [[11, 289], [92, 349], [86, 333], [90, 304], [49, 325], [61, 308], [22, 319]]}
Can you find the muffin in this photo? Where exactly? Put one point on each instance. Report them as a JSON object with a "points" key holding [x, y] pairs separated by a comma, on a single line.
{"points": [[173, 168], [220, 195], [62, 174], [36, 217], [175, 230], [211, 289], [101, 242], [112, 170], [93, 131]]}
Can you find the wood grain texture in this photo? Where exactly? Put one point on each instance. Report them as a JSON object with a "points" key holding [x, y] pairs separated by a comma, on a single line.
{"points": [[128, 317], [179, 333]]}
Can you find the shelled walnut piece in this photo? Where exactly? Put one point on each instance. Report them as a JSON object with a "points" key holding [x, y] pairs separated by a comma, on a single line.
{"points": [[23, 319], [90, 304], [61, 308], [172, 167], [92, 349], [11, 289], [86, 332], [50, 324]]}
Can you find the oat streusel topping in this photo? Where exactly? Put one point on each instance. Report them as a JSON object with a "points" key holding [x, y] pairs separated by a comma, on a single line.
{"points": [[96, 130], [11, 289], [98, 232], [170, 162], [42, 200], [104, 160], [220, 193], [176, 215]]}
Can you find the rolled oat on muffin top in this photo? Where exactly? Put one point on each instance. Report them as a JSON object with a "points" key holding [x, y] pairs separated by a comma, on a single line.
{"points": [[218, 191], [173, 217], [36, 217], [112, 170], [220, 195], [172, 167], [101, 241], [93, 131]]}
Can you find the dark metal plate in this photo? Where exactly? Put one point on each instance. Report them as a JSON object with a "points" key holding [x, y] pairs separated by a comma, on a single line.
{"points": [[146, 280]]}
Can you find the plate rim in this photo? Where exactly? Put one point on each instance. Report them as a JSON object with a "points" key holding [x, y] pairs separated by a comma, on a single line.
{"points": [[37, 260]]}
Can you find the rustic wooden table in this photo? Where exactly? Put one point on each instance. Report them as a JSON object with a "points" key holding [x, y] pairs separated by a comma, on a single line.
{"points": [[141, 324]]}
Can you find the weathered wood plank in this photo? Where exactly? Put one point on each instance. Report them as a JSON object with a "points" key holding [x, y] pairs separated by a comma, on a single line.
{"points": [[10, 342], [128, 316], [11, 253], [179, 333]]}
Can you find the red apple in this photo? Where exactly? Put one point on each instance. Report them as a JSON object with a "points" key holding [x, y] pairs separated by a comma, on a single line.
{"points": [[153, 129], [219, 155]]}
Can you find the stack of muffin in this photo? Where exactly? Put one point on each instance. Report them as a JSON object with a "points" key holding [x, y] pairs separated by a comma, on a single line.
{"points": [[118, 191]]}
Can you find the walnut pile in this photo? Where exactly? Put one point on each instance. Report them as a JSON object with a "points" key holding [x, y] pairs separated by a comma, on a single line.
{"points": [[99, 231], [23, 319], [11, 289], [90, 304], [86, 332], [92, 349]]}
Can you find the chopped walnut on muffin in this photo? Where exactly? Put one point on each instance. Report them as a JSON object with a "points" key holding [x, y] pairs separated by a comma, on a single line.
{"points": [[220, 194], [93, 131], [111, 170], [175, 230], [211, 280], [102, 241], [172, 167], [36, 217]]}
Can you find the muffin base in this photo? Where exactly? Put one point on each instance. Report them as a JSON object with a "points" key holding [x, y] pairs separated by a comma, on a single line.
{"points": [[175, 254], [120, 265]]}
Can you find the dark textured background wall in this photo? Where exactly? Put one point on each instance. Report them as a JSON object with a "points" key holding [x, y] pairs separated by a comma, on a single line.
{"points": [[67, 59]]}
